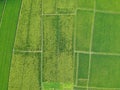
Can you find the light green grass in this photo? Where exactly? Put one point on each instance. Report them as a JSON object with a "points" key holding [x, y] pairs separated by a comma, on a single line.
{"points": [[50, 67], [65, 33], [105, 71], [7, 34], [59, 6], [50, 33], [49, 8], [106, 33], [29, 29], [83, 30], [26, 67], [65, 6], [108, 5], [25, 71], [58, 46], [88, 4]]}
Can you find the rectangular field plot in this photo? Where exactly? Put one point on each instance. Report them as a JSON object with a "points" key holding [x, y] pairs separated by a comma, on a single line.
{"points": [[106, 33], [65, 68], [108, 5], [65, 6], [84, 21], [81, 69], [29, 26], [65, 33], [104, 72], [88, 4], [25, 71], [58, 46], [83, 61], [49, 7], [50, 33], [50, 67]]}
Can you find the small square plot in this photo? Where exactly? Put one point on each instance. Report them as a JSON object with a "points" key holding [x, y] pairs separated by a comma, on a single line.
{"points": [[65, 6], [106, 33], [108, 5], [89, 4], [105, 71], [84, 21]]}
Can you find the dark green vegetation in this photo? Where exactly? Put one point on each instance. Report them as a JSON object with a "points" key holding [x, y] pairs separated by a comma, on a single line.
{"points": [[97, 56], [7, 34], [107, 40], [2, 4]]}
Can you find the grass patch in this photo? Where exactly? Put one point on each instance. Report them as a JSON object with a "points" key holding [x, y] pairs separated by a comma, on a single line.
{"points": [[29, 29], [49, 8], [108, 5], [89, 4], [106, 33], [50, 33], [65, 6], [83, 30], [25, 71], [105, 71]]}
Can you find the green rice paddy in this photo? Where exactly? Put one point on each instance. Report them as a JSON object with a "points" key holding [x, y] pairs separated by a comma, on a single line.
{"points": [[59, 45]]}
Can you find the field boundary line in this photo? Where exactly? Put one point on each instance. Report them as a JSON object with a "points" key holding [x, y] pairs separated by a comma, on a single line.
{"points": [[58, 14], [27, 51], [3, 13], [99, 11], [91, 40], [82, 79], [83, 52], [102, 53], [98, 53], [74, 47], [77, 68], [42, 48], [97, 88]]}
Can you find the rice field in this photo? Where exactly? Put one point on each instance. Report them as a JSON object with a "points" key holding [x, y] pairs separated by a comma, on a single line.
{"points": [[59, 45], [8, 25]]}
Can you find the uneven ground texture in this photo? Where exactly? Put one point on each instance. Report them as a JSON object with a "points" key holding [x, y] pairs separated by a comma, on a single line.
{"points": [[59, 45]]}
